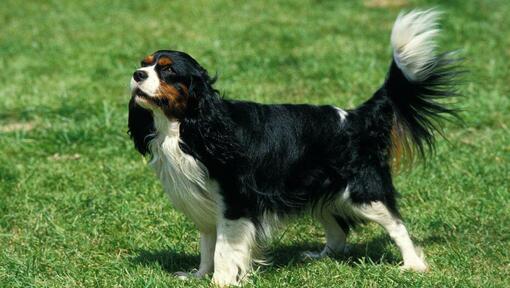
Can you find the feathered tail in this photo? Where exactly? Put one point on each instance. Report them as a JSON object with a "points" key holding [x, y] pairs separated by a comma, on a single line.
{"points": [[418, 79]]}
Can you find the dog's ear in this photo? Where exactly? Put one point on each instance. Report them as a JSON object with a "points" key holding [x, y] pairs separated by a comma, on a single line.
{"points": [[201, 88], [141, 126], [210, 132]]}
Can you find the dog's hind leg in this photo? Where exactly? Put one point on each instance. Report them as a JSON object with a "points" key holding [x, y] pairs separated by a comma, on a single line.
{"points": [[378, 212], [336, 231]]}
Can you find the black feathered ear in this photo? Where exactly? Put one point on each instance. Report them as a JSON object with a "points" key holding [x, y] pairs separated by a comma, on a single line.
{"points": [[201, 89], [141, 126], [208, 130]]}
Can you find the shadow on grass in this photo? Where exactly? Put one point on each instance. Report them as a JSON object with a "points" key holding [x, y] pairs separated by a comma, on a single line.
{"points": [[168, 260], [377, 250]]}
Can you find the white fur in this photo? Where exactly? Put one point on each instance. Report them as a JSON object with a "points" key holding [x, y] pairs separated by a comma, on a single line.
{"points": [[335, 238], [235, 242], [377, 212], [413, 44], [150, 85], [207, 246], [342, 113], [185, 179], [343, 206]]}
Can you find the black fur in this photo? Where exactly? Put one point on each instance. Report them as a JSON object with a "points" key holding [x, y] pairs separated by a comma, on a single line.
{"points": [[141, 126], [416, 105], [289, 158]]}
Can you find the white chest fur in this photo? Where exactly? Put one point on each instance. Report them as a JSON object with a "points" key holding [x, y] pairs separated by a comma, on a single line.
{"points": [[184, 179]]}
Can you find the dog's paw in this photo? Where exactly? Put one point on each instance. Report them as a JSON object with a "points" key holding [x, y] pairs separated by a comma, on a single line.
{"points": [[324, 253], [306, 255], [183, 275], [224, 280], [417, 265], [189, 275]]}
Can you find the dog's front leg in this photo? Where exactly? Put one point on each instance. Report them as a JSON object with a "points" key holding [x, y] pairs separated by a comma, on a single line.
{"points": [[207, 245], [232, 256]]}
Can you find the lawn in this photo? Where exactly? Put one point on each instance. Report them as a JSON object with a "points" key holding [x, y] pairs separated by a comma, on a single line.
{"points": [[79, 207]]}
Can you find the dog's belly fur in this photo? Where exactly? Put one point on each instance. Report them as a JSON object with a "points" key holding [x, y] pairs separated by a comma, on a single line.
{"points": [[185, 180]]}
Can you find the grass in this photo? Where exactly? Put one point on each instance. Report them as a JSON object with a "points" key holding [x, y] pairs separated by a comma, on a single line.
{"points": [[79, 208]]}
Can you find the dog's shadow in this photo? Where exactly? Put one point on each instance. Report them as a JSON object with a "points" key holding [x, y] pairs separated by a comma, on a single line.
{"points": [[169, 260], [377, 250]]}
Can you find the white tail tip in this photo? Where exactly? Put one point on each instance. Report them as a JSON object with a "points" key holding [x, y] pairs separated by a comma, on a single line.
{"points": [[412, 40]]}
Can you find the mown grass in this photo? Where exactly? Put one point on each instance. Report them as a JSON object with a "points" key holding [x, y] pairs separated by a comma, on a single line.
{"points": [[78, 207]]}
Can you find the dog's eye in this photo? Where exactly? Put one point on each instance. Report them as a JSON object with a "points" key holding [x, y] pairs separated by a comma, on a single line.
{"points": [[169, 69]]}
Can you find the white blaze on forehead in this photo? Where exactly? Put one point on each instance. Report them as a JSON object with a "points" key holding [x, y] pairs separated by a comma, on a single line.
{"points": [[150, 85]]}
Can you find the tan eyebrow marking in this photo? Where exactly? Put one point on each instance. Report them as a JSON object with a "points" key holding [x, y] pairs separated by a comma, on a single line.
{"points": [[163, 61], [148, 59]]}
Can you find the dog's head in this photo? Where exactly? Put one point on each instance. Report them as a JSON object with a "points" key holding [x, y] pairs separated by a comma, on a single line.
{"points": [[170, 81]]}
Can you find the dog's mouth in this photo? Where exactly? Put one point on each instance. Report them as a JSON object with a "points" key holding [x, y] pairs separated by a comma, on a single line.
{"points": [[137, 92], [143, 99]]}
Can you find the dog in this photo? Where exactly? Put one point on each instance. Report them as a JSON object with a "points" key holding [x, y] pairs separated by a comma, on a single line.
{"points": [[237, 168]]}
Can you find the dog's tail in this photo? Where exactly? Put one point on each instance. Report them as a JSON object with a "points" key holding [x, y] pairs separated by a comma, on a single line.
{"points": [[416, 82]]}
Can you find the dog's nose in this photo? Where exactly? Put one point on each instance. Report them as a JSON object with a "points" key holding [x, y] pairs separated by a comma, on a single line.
{"points": [[140, 75]]}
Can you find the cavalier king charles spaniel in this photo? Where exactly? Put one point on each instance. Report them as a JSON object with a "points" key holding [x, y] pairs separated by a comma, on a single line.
{"points": [[238, 168]]}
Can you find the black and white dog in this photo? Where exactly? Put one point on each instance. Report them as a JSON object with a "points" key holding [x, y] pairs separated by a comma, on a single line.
{"points": [[238, 168]]}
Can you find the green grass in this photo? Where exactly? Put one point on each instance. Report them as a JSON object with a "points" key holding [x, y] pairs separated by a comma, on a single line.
{"points": [[95, 215]]}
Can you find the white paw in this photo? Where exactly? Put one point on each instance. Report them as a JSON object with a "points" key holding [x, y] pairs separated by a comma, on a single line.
{"points": [[311, 255], [418, 264], [189, 275], [420, 267], [183, 275], [224, 281], [325, 253]]}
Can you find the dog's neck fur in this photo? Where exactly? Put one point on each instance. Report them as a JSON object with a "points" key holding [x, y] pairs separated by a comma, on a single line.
{"points": [[184, 178]]}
